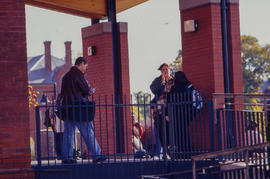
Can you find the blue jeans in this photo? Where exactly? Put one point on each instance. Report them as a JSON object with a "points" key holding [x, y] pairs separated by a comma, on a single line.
{"points": [[158, 148], [87, 131]]}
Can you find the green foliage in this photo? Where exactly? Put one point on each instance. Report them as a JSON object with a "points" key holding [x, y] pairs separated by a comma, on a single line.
{"points": [[141, 109], [176, 65], [255, 63]]}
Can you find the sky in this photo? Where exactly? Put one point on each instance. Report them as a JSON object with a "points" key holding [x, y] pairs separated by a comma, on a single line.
{"points": [[153, 33]]}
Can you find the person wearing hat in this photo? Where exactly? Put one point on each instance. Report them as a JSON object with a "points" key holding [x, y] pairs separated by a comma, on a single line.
{"points": [[160, 87]]}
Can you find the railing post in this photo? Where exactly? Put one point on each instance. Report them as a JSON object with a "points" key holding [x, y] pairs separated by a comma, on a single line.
{"points": [[38, 136], [211, 126], [267, 122], [164, 135], [247, 168], [219, 140], [193, 169], [230, 128]]}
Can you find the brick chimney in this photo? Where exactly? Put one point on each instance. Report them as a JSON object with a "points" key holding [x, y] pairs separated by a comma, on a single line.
{"points": [[48, 58], [68, 53]]}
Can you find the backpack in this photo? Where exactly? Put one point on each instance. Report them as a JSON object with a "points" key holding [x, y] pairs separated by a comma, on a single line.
{"points": [[197, 99]]}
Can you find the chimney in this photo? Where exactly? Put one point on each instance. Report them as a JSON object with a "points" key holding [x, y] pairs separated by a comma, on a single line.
{"points": [[68, 53], [48, 58]]}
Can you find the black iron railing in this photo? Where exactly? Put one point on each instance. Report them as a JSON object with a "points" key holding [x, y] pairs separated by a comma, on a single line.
{"points": [[172, 132], [147, 131]]}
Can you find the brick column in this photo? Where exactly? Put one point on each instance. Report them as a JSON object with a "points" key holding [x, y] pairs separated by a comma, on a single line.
{"points": [[235, 50], [14, 117], [100, 75], [202, 50]]}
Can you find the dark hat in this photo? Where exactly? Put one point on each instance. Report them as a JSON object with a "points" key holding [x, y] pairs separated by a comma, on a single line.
{"points": [[163, 64]]}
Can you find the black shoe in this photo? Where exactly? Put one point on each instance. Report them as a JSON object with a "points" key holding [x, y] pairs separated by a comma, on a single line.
{"points": [[69, 161], [100, 159]]}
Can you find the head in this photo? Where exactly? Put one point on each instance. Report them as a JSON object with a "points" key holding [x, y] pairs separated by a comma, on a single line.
{"points": [[138, 129], [252, 126], [164, 68], [180, 78], [81, 64]]}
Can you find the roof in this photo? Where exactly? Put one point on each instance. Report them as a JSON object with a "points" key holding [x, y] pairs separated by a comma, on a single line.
{"points": [[84, 8], [37, 73]]}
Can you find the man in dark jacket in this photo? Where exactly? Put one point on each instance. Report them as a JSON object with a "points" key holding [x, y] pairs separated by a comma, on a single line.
{"points": [[75, 88]]}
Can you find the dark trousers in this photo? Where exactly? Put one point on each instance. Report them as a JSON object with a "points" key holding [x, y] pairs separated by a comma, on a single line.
{"points": [[58, 140], [163, 131]]}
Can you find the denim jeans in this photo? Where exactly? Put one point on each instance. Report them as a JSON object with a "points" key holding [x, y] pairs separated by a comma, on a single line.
{"points": [[87, 131], [158, 148]]}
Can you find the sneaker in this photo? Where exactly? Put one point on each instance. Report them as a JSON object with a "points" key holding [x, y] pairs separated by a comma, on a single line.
{"points": [[69, 161], [100, 159]]}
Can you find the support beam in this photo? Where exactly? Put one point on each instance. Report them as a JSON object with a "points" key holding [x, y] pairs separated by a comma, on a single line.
{"points": [[111, 5]]}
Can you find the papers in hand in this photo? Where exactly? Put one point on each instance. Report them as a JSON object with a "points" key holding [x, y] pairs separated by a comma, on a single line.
{"points": [[92, 91]]}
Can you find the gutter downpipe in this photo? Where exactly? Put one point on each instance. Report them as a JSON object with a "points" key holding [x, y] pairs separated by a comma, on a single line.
{"points": [[225, 45], [226, 69]]}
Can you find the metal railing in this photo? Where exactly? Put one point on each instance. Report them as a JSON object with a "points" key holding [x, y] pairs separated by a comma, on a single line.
{"points": [[172, 132], [175, 131], [234, 155]]}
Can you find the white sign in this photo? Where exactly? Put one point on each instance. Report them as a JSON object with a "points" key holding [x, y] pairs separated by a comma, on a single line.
{"points": [[89, 51]]}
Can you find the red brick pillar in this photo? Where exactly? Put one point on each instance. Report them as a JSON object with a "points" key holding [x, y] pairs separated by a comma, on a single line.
{"points": [[100, 75], [235, 50], [202, 50], [14, 117]]}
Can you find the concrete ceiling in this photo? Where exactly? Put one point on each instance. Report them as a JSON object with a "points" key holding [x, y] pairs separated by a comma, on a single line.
{"points": [[85, 8]]}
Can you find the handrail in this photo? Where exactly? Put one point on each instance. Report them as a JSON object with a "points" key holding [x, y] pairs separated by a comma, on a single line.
{"points": [[237, 95], [226, 152], [243, 95]]}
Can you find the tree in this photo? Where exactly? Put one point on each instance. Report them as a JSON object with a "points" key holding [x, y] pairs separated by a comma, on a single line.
{"points": [[176, 65], [255, 63], [141, 107], [32, 97]]}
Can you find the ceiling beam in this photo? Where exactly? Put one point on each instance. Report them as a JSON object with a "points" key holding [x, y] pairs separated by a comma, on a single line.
{"points": [[94, 13], [95, 9]]}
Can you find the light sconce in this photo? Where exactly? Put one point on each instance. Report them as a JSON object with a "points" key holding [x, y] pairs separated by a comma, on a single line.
{"points": [[91, 50], [190, 25]]}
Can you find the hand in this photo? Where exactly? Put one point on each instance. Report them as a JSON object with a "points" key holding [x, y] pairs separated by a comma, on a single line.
{"points": [[92, 91], [165, 78], [168, 77]]}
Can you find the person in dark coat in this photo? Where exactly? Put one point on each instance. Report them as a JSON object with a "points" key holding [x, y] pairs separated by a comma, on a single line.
{"points": [[75, 88], [160, 87], [181, 112]]}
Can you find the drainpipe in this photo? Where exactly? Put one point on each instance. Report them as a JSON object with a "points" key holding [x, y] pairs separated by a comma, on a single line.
{"points": [[226, 68], [225, 45]]}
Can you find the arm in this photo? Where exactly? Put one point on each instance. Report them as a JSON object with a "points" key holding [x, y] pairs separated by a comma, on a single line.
{"points": [[157, 87], [83, 86]]}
